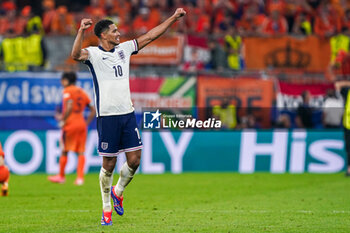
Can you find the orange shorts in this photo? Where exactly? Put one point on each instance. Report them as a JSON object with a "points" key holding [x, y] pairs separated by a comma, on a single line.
{"points": [[74, 140]]}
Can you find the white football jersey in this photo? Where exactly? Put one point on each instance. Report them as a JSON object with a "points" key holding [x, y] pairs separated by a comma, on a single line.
{"points": [[110, 73]]}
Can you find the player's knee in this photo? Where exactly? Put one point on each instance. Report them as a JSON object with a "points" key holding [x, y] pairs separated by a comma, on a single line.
{"points": [[109, 167], [134, 163], [109, 163], [133, 159]]}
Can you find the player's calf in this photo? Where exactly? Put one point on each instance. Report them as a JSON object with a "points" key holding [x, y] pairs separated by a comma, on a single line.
{"points": [[126, 175]]}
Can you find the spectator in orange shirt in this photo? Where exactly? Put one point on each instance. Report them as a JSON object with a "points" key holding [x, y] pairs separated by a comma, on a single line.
{"points": [[222, 9], [4, 169], [155, 14], [143, 22], [10, 22], [124, 25], [339, 7], [74, 126], [3, 23], [8, 5], [326, 25], [251, 22], [275, 5], [335, 16], [48, 14], [197, 22], [7, 17], [121, 9], [62, 22], [275, 25], [244, 5], [95, 5], [96, 15]]}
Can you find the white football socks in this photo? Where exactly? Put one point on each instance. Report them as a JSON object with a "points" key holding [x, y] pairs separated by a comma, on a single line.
{"points": [[106, 180], [126, 175]]}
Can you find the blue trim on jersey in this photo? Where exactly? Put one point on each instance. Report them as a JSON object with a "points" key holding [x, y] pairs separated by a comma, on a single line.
{"points": [[136, 46], [94, 79], [111, 51]]}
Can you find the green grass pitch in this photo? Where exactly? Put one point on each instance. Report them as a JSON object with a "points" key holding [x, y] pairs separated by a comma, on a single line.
{"points": [[190, 202]]}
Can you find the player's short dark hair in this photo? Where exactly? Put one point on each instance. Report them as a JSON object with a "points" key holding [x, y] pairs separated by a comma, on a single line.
{"points": [[70, 76], [102, 26]]}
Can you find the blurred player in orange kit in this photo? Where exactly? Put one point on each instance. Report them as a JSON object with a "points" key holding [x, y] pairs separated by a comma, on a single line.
{"points": [[4, 174], [74, 126]]}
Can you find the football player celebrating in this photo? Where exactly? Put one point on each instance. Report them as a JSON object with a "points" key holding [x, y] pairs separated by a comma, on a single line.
{"points": [[116, 124]]}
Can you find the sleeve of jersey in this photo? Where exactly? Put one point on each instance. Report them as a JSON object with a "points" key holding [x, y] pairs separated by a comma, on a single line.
{"points": [[131, 46], [66, 96], [90, 51]]}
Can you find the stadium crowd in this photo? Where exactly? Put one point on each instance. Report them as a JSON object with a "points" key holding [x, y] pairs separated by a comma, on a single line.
{"points": [[225, 22], [25, 24], [251, 17]]}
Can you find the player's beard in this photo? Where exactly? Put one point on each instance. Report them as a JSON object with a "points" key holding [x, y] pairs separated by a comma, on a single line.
{"points": [[115, 42]]}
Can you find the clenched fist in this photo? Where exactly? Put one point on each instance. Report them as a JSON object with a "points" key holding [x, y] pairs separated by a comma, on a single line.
{"points": [[85, 24], [179, 13]]}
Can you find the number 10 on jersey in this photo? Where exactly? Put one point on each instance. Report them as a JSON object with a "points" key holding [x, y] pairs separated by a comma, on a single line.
{"points": [[118, 71]]}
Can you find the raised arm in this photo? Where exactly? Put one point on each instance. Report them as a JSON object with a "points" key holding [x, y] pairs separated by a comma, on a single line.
{"points": [[77, 53], [340, 84], [160, 29]]}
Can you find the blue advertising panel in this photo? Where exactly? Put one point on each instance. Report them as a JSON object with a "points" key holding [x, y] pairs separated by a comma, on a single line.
{"points": [[30, 100]]}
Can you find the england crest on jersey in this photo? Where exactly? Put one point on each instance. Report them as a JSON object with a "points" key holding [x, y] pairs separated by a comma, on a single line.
{"points": [[104, 145], [121, 55]]}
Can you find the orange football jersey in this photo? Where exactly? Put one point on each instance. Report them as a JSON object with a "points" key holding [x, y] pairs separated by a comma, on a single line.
{"points": [[80, 100]]}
